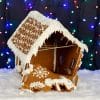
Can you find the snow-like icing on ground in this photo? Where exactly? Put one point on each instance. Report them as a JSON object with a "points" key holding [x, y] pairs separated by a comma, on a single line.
{"points": [[88, 88]]}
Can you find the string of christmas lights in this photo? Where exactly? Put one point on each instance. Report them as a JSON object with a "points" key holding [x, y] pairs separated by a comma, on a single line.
{"points": [[50, 9]]}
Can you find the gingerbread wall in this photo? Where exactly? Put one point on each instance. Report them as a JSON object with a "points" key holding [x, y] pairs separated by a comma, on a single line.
{"points": [[44, 58], [67, 58]]}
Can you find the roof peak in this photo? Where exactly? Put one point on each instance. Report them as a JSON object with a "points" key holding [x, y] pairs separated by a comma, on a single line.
{"points": [[32, 33]]}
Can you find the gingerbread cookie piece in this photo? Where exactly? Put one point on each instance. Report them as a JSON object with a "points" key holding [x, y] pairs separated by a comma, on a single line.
{"points": [[44, 41], [40, 78]]}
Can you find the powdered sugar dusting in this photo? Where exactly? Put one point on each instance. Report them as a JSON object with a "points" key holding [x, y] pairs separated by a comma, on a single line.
{"points": [[88, 88]]}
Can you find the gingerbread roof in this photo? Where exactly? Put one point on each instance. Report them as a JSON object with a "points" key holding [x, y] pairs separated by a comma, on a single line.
{"points": [[32, 33]]}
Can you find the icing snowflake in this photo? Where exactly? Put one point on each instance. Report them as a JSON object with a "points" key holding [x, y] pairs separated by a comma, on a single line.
{"points": [[37, 85], [40, 72]]}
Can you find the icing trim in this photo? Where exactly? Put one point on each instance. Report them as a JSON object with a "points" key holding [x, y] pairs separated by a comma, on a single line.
{"points": [[62, 81], [53, 26]]}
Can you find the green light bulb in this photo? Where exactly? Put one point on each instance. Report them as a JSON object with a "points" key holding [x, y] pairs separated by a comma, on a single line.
{"points": [[90, 41], [74, 30], [85, 0], [91, 55], [90, 64], [0, 0]]}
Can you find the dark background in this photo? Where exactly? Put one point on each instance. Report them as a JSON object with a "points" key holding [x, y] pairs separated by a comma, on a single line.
{"points": [[81, 17]]}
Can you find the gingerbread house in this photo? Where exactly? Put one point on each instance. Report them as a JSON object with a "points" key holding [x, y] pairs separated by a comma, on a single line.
{"points": [[41, 43]]}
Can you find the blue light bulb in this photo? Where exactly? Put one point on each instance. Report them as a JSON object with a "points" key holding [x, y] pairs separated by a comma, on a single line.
{"points": [[71, 22], [92, 26], [84, 20], [1, 54], [64, 5]]}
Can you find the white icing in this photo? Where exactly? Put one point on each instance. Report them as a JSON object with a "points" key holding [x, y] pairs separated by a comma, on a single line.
{"points": [[53, 26], [54, 62], [80, 63], [22, 92], [17, 64], [28, 70], [19, 68], [37, 85], [22, 84], [40, 72], [62, 81], [58, 87]]}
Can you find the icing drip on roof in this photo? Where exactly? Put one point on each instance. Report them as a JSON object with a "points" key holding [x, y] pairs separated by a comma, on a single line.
{"points": [[32, 33]]}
